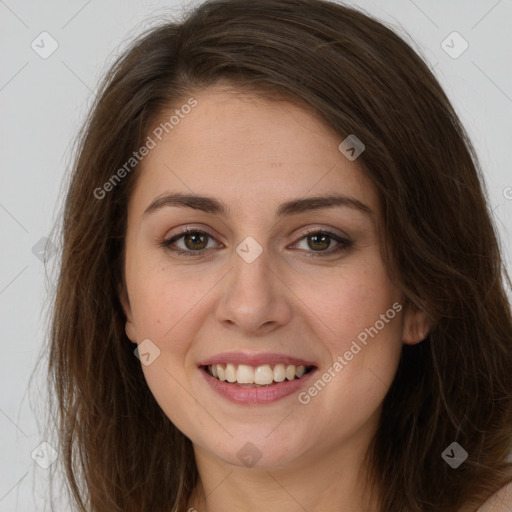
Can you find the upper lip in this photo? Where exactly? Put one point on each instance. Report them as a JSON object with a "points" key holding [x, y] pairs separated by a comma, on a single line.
{"points": [[255, 359]]}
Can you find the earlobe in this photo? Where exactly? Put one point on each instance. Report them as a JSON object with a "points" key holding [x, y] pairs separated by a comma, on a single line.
{"points": [[129, 325], [416, 325]]}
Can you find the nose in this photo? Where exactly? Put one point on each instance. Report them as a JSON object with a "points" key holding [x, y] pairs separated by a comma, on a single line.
{"points": [[255, 299]]}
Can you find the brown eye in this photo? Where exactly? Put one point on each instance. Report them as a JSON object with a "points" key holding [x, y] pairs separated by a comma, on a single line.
{"points": [[195, 240], [320, 241], [190, 242]]}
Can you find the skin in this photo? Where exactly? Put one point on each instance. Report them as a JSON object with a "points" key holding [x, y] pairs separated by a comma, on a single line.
{"points": [[254, 155]]}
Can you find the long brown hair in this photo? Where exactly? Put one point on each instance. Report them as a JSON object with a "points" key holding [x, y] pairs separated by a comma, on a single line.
{"points": [[120, 451]]}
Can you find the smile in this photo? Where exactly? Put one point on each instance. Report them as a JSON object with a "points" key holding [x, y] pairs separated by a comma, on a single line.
{"points": [[256, 376]]}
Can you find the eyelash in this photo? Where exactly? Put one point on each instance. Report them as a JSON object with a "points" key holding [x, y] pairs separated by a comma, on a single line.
{"points": [[344, 244]]}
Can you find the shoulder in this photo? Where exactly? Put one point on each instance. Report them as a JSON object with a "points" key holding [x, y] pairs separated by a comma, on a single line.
{"points": [[500, 501]]}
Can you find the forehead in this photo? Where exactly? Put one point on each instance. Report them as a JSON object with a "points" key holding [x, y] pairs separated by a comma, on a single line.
{"points": [[248, 150]]}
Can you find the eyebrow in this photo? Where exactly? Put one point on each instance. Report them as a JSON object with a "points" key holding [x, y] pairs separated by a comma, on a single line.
{"points": [[293, 207]]}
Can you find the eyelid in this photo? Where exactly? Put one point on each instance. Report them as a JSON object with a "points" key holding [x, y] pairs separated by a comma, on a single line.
{"points": [[184, 231], [342, 240], [190, 228], [320, 229]]}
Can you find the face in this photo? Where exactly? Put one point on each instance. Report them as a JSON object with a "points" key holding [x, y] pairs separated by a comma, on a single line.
{"points": [[269, 332]]}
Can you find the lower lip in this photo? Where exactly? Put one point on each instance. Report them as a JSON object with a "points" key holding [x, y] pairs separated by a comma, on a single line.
{"points": [[255, 396]]}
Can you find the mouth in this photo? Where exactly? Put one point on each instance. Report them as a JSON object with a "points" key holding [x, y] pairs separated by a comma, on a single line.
{"points": [[256, 379], [265, 375]]}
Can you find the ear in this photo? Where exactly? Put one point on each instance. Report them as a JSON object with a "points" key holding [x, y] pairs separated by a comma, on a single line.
{"points": [[416, 325], [125, 303]]}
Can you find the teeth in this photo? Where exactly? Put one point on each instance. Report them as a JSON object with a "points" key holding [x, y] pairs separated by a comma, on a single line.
{"points": [[230, 373], [279, 372], [244, 374], [263, 375]]}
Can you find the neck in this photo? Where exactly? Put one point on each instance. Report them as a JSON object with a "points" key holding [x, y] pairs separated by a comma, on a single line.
{"points": [[331, 481]]}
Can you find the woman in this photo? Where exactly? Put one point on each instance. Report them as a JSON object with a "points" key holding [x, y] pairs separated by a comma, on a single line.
{"points": [[281, 288]]}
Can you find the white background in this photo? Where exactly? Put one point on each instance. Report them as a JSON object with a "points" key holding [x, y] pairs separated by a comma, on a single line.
{"points": [[43, 103]]}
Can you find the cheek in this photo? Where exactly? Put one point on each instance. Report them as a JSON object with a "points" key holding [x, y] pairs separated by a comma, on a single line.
{"points": [[353, 299], [162, 301], [361, 311], [170, 388], [357, 314], [165, 310], [360, 324]]}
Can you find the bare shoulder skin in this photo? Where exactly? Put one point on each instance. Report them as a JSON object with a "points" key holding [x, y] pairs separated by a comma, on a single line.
{"points": [[501, 501]]}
